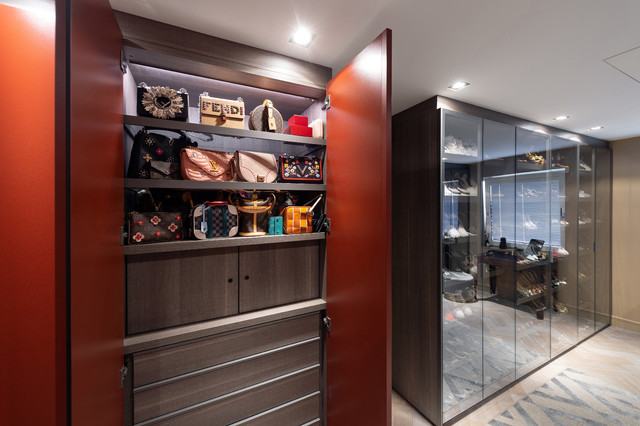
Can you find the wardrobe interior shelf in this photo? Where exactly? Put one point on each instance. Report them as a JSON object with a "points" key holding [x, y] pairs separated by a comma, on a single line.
{"points": [[220, 186], [175, 246], [506, 263], [522, 300], [222, 131], [155, 339]]}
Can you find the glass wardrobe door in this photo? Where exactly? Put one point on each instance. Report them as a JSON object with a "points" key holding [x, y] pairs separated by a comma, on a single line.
{"points": [[533, 236], [496, 267], [564, 232], [461, 243], [586, 238], [603, 238]]}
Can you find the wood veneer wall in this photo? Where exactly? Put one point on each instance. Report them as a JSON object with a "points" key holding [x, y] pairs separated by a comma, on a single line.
{"points": [[626, 234]]}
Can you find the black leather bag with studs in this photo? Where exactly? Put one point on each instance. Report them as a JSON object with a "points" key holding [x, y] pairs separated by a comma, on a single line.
{"points": [[155, 147]]}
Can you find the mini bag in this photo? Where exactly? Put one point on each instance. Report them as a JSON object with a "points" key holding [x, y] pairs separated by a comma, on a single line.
{"points": [[206, 165], [155, 227], [221, 112], [214, 219], [254, 214], [163, 102], [266, 118], [298, 219], [255, 166], [300, 169]]}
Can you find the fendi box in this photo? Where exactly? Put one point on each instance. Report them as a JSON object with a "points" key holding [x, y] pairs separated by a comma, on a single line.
{"points": [[221, 112]]}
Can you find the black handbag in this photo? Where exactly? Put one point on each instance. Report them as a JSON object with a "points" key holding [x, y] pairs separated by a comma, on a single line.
{"points": [[163, 102], [300, 169], [149, 146]]}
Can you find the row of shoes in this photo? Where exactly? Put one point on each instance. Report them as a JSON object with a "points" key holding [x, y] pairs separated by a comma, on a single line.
{"points": [[458, 147], [533, 159], [558, 281], [529, 290]]}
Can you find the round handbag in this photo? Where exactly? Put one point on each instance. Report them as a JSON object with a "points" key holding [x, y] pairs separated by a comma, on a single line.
{"points": [[265, 118]]}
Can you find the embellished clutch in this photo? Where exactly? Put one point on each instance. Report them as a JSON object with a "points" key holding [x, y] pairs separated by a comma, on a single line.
{"points": [[163, 102]]}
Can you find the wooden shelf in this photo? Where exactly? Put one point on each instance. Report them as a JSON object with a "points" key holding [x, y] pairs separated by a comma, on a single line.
{"points": [[214, 243], [180, 334], [213, 186], [522, 300], [222, 131]]}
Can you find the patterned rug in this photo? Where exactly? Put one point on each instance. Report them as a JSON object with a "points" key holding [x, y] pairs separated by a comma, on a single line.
{"points": [[573, 398]]}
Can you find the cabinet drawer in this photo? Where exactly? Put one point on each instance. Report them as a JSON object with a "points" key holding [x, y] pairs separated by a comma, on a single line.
{"points": [[159, 364], [234, 407], [278, 275], [183, 391], [302, 411], [169, 289]]}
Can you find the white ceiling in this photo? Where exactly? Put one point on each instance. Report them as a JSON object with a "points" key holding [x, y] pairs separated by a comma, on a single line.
{"points": [[535, 59]]}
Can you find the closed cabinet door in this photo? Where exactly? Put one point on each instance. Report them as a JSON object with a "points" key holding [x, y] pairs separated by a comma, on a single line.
{"points": [[279, 274], [169, 289]]}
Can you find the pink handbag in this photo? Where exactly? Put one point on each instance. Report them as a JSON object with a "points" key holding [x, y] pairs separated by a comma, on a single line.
{"points": [[206, 165]]}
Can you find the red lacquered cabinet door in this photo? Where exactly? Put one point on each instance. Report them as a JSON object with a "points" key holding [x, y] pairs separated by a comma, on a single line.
{"points": [[96, 271], [359, 244]]}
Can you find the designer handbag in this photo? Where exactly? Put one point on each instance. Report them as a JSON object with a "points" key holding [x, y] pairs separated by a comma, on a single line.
{"points": [[266, 118], [206, 165], [254, 214], [298, 219], [149, 146], [163, 102], [300, 169], [221, 112], [214, 219], [155, 227], [255, 166], [163, 170]]}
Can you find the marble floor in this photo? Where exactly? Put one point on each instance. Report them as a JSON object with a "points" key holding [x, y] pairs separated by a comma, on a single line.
{"points": [[611, 356]]}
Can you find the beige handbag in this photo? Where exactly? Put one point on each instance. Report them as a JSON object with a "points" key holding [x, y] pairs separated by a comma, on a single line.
{"points": [[255, 166], [221, 112]]}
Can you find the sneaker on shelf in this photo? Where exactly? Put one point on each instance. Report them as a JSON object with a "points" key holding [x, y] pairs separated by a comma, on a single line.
{"points": [[453, 233], [561, 251], [583, 194], [584, 167], [462, 232]]}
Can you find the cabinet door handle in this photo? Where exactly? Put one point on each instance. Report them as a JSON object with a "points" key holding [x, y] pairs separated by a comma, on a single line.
{"points": [[246, 277], [230, 280]]}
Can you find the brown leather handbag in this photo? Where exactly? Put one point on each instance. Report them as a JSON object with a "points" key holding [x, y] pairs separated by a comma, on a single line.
{"points": [[254, 214]]}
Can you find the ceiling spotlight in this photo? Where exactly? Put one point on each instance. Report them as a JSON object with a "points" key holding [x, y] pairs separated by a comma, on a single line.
{"points": [[561, 117], [596, 128], [302, 37], [458, 85]]}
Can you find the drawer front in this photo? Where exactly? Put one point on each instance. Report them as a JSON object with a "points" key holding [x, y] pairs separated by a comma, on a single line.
{"points": [[183, 391], [249, 402], [302, 411], [170, 289], [281, 274], [159, 364]]}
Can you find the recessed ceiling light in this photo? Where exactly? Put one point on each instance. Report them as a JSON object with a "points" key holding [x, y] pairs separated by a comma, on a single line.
{"points": [[458, 85], [596, 128], [302, 37], [561, 117]]}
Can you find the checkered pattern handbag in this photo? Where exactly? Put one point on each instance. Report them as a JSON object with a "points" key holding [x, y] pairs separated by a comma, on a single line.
{"points": [[214, 219]]}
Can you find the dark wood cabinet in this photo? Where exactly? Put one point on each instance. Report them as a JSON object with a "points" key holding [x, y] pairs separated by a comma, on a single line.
{"points": [[233, 329], [272, 276]]}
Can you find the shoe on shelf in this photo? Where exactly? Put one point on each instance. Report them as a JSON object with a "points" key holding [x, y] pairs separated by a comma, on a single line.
{"points": [[583, 194], [583, 166], [453, 233], [462, 232]]}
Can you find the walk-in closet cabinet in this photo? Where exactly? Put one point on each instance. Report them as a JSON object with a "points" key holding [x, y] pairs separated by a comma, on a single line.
{"points": [[266, 329], [501, 250]]}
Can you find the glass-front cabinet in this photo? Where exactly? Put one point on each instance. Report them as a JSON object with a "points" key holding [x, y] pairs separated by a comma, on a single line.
{"points": [[522, 271]]}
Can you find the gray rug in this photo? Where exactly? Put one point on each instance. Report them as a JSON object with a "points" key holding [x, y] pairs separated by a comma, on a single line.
{"points": [[573, 398]]}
